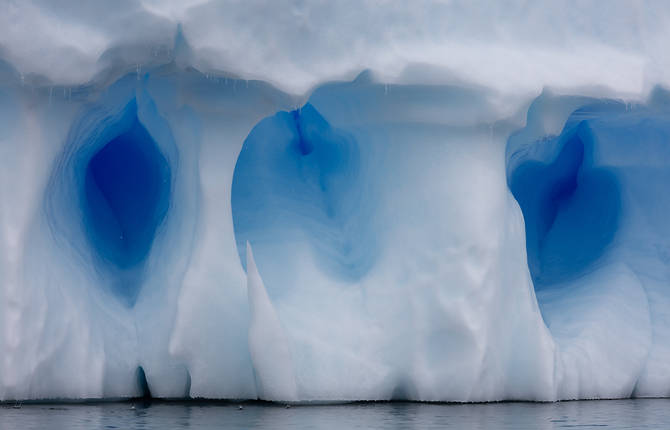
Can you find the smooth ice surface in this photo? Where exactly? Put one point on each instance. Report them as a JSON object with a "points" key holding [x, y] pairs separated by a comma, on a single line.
{"points": [[417, 234], [268, 344]]}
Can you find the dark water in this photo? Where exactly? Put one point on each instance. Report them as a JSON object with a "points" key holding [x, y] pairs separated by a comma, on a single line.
{"points": [[604, 414]]}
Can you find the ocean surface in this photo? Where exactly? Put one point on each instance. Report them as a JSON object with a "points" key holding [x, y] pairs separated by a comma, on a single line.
{"points": [[610, 414]]}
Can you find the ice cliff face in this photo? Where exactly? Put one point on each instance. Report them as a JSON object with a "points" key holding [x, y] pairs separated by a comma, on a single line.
{"points": [[171, 232]]}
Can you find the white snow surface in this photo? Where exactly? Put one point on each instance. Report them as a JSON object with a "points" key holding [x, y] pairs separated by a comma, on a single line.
{"points": [[512, 46]]}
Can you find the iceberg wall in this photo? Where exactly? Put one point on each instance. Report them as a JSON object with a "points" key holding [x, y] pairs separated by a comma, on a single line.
{"points": [[170, 229]]}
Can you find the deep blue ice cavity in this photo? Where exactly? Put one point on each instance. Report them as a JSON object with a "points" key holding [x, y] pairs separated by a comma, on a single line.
{"points": [[297, 180], [110, 190], [570, 206], [127, 190]]}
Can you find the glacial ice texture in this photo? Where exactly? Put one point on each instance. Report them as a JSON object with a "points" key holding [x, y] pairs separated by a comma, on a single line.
{"points": [[177, 233]]}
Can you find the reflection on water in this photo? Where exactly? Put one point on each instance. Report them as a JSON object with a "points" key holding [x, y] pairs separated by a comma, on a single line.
{"points": [[611, 414]]}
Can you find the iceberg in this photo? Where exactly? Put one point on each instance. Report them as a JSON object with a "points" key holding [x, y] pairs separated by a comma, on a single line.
{"points": [[175, 224]]}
